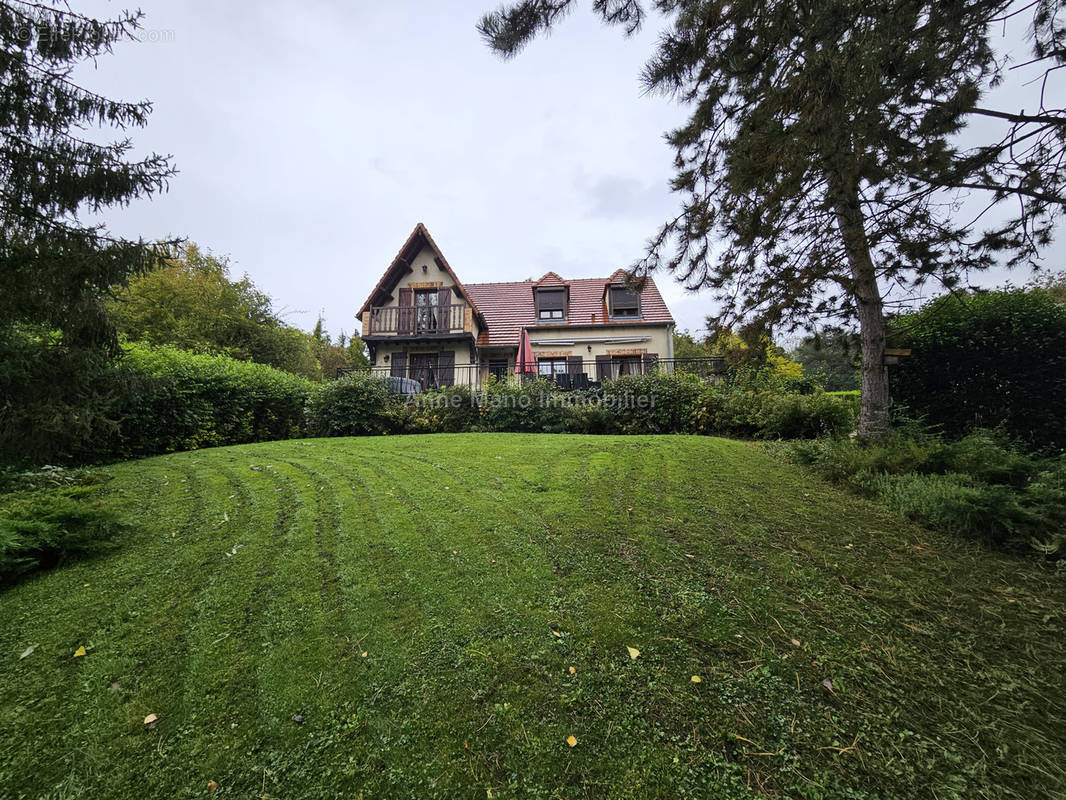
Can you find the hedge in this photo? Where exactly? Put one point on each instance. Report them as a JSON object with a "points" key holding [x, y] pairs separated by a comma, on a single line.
{"points": [[649, 404], [182, 401], [986, 360]]}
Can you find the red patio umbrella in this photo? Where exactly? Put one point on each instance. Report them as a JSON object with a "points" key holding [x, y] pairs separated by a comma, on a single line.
{"points": [[524, 363]]}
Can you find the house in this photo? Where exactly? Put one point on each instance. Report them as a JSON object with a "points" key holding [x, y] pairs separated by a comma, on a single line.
{"points": [[421, 322]]}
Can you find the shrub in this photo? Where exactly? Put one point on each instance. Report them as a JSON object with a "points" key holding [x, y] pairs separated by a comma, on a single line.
{"points": [[451, 409], [955, 503], [534, 406], [803, 416], [64, 405], [178, 400], [56, 401], [355, 405], [45, 530], [745, 409], [995, 359], [589, 416], [982, 486], [655, 403]]}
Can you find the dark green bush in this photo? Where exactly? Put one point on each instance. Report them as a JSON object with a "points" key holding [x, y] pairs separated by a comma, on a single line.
{"points": [[993, 359], [766, 413], [42, 531], [534, 406], [356, 405], [591, 417], [56, 401], [182, 401], [62, 405], [451, 409], [655, 403]]}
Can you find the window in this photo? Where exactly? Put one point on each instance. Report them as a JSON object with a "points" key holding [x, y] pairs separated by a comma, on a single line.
{"points": [[550, 367], [625, 365], [426, 310], [498, 367], [624, 302], [424, 368], [551, 303]]}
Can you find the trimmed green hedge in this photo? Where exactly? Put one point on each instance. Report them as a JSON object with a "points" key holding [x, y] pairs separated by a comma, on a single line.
{"points": [[183, 401], [68, 407], [648, 404], [987, 360]]}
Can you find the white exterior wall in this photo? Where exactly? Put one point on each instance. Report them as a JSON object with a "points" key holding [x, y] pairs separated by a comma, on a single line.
{"points": [[629, 339]]}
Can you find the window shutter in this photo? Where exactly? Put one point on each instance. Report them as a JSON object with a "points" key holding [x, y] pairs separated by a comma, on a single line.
{"points": [[651, 362], [406, 320], [603, 368], [444, 310], [446, 368], [551, 299], [398, 369], [573, 365]]}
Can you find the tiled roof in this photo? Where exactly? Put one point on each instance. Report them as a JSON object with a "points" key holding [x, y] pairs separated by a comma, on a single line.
{"points": [[508, 307], [551, 279], [415, 242]]}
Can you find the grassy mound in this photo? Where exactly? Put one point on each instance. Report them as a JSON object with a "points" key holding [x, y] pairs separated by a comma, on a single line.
{"points": [[435, 616]]}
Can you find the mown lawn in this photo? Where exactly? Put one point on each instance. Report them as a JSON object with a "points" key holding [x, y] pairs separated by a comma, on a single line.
{"points": [[443, 612]]}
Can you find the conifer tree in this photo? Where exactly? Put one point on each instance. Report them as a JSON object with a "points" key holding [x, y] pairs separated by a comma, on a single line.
{"points": [[820, 164], [54, 268]]}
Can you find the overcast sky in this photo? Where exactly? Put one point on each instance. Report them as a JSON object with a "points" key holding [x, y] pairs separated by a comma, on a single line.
{"points": [[310, 139]]}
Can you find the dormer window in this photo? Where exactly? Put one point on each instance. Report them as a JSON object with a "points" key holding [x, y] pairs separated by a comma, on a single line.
{"points": [[551, 304], [623, 303]]}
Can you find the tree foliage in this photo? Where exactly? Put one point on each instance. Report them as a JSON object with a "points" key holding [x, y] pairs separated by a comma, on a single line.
{"points": [[830, 356], [988, 359], [750, 348], [53, 267], [191, 302], [821, 163]]}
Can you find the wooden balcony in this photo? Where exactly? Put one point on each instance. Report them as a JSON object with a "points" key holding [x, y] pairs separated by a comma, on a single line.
{"points": [[416, 321]]}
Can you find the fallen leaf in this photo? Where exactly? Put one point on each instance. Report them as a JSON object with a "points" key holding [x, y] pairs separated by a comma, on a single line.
{"points": [[79, 652], [696, 679], [828, 684], [556, 634], [364, 654], [27, 652], [212, 787], [571, 740], [633, 652], [151, 718], [796, 642], [573, 671]]}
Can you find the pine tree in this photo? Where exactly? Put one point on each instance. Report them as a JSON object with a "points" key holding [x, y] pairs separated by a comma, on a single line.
{"points": [[820, 164], [54, 269]]}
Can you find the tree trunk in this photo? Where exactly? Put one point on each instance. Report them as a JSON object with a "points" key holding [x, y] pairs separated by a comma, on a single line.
{"points": [[874, 410]]}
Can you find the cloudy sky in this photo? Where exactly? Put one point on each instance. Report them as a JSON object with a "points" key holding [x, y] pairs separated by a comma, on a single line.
{"points": [[310, 139]]}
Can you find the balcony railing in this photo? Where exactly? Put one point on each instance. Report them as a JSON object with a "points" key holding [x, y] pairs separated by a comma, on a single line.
{"points": [[418, 320], [590, 374]]}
